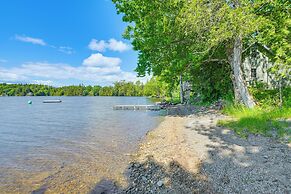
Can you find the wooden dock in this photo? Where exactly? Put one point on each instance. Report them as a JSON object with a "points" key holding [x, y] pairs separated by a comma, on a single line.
{"points": [[137, 107]]}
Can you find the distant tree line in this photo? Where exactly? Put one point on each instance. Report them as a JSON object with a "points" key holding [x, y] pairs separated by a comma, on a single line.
{"points": [[153, 87]]}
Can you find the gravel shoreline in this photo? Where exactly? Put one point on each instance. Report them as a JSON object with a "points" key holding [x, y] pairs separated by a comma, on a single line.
{"points": [[190, 154]]}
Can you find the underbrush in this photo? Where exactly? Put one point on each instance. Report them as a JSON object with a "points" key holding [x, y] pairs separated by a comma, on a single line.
{"points": [[267, 120], [270, 97]]}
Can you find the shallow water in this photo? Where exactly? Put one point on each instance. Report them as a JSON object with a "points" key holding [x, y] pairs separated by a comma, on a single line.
{"points": [[68, 146]]}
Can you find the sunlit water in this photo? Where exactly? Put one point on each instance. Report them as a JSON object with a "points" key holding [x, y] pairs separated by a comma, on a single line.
{"points": [[67, 147]]}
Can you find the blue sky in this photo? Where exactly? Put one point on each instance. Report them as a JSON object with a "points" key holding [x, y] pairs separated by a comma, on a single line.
{"points": [[63, 42]]}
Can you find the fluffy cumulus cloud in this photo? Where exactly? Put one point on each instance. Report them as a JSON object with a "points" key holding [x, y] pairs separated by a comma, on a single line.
{"points": [[115, 45], [97, 69], [112, 44], [30, 40], [97, 45], [99, 60]]}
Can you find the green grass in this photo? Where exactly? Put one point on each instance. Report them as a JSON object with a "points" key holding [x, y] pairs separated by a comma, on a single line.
{"points": [[265, 121]]}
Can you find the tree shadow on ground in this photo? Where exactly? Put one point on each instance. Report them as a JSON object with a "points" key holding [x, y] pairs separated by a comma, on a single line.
{"points": [[255, 164], [152, 177], [39, 191], [187, 110]]}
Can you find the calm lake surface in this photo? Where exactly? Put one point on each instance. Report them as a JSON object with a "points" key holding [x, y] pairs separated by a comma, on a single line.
{"points": [[68, 146]]}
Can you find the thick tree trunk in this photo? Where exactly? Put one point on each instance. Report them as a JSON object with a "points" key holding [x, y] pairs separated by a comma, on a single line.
{"points": [[240, 87], [181, 90]]}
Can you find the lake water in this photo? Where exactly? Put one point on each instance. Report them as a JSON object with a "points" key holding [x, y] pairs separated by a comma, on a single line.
{"points": [[67, 147]]}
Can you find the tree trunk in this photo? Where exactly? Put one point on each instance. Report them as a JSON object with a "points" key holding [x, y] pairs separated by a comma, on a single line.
{"points": [[280, 93], [181, 90], [239, 84]]}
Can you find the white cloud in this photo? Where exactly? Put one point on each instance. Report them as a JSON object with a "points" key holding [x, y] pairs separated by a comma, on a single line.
{"points": [[97, 45], [115, 45], [101, 61], [66, 49], [112, 44], [43, 82], [30, 40], [96, 69], [7, 75]]}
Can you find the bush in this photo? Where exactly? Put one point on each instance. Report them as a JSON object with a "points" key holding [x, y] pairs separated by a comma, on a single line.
{"points": [[270, 97], [260, 120]]}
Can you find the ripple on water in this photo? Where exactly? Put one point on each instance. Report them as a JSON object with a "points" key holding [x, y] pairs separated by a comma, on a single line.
{"points": [[67, 147]]}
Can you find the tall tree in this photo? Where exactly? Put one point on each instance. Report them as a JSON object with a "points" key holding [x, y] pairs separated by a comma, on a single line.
{"points": [[155, 34], [177, 33], [224, 23]]}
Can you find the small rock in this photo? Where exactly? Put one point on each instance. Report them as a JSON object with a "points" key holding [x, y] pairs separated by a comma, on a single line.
{"points": [[160, 183], [144, 178]]}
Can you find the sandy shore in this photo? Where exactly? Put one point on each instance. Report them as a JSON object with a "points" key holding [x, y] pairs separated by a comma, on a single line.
{"points": [[170, 142], [179, 151], [191, 154]]}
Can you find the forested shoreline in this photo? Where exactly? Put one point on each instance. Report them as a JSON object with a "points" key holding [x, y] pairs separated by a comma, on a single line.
{"points": [[122, 88]]}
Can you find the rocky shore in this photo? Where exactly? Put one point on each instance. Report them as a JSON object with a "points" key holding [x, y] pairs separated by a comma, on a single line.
{"points": [[190, 154]]}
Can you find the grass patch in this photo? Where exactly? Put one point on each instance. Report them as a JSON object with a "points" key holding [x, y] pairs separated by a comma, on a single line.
{"points": [[268, 121]]}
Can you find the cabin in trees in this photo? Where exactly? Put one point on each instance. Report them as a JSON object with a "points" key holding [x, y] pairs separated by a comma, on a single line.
{"points": [[256, 69]]}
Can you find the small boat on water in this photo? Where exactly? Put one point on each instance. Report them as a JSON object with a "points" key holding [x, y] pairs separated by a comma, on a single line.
{"points": [[52, 101]]}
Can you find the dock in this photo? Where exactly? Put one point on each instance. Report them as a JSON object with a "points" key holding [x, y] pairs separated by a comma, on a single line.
{"points": [[137, 107], [52, 101]]}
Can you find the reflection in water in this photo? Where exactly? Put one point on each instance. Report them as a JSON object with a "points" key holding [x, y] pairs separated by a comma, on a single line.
{"points": [[67, 147]]}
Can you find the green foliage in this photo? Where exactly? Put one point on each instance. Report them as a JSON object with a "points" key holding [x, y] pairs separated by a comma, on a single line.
{"points": [[275, 34], [154, 87], [195, 39], [153, 29], [265, 121], [270, 97], [211, 81], [220, 22], [266, 118]]}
